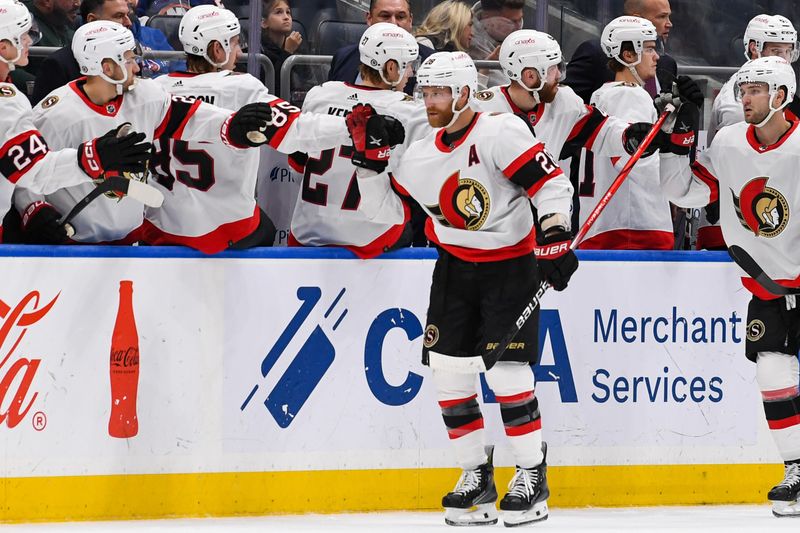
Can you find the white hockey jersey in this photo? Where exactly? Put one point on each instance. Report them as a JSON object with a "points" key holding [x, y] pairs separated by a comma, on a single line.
{"points": [[25, 160], [209, 189], [759, 191], [327, 209], [478, 190], [565, 125], [637, 216], [67, 117], [725, 110]]}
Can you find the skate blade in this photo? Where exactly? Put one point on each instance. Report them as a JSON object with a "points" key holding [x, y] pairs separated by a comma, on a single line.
{"points": [[537, 513], [784, 509], [484, 514]]}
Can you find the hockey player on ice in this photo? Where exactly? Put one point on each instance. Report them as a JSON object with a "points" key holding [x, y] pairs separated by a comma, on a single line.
{"points": [[110, 95], [488, 266], [25, 159], [752, 167], [765, 36], [209, 189], [638, 216], [533, 62], [326, 212]]}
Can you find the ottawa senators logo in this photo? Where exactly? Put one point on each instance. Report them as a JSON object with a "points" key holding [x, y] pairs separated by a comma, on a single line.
{"points": [[463, 203], [761, 209], [49, 102], [484, 95]]}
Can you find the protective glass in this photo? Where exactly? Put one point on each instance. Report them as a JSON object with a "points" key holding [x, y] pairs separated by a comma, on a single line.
{"points": [[434, 95], [34, 34], [752, 89], [789, 53]]}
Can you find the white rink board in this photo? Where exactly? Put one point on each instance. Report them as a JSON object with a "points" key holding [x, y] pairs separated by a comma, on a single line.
{"points": [[347, 390]]}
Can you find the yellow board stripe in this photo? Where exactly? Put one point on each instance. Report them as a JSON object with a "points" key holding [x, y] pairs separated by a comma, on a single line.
{"points": [[72, 498]]}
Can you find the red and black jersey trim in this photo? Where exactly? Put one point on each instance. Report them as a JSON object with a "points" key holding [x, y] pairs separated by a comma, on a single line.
{"points": [[532, 169], [708, 178], [297, 161], [14, 165], [283, 116], [178, 115], [583, 133]]}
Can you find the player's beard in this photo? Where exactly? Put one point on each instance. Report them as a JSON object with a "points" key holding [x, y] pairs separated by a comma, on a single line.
{"points": [[756, 118], [548, 93], [442, 118]]}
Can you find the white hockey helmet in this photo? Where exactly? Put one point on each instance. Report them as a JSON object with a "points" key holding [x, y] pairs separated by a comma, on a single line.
{"points": [[635, 30], [775, 72], [99, 40], [763, 29], [202, 25], [15, 22], [382, 42], [449, 69], [531, 49]]}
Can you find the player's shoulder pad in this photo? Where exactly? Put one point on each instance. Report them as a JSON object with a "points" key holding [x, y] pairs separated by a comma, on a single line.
{"points": [[13, 102]]}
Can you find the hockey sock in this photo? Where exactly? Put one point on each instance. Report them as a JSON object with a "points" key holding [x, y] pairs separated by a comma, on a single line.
{"points": [[462, 416], [513, 385], [778, 376]]}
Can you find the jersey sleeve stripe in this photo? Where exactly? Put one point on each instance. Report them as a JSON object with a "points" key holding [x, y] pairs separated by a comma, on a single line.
{"points": [[177, 116], [12, 170], [275, 134], [397, 187], [584, 132], [528, 172], [708, 178]]}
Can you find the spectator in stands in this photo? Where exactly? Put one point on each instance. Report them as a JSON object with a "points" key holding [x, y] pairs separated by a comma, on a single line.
{"points": [[345, 62], [61, 67], [152, 39], [56, 20], [588, 69], [278, 40], [447, 28], [493, 21]]}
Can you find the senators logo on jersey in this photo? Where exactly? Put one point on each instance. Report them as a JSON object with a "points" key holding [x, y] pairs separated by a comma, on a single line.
{"points": [[761, 209], [463, 203]]}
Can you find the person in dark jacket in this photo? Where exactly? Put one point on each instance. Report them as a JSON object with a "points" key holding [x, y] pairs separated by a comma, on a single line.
{"points": [[278, 40]]}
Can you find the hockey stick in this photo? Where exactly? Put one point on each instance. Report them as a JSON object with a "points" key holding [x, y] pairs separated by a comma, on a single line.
{"points": [[147, 194], [749, 265], [482, 363]]}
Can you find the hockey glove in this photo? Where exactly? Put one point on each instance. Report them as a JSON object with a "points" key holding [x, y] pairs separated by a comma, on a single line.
{"points": [[111, 153], [373, 135], [679, 137], [688, 90], [712, 212], [246, 127], [634, 135], [40, 224], [557, 262]]}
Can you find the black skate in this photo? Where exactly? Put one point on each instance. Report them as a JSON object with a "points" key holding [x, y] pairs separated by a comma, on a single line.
{"points": [[785, 494], [472, 502], [526, 501]]}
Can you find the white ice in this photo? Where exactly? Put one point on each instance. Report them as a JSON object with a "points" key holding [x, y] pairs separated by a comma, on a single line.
{"points": [[709, 519]]}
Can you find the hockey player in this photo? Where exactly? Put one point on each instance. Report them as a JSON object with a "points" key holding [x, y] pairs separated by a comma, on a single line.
{"points": [[752, 167], [638, 216], [326, 212], [25, 159], [533, 62], [209, 189], [108, 96], [476, 176], [765, 36]]}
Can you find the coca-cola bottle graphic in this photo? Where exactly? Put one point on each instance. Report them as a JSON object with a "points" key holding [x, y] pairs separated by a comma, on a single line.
{"points": [[124, 368]]}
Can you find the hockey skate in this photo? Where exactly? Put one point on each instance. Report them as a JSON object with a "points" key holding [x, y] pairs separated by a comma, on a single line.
{"points": [[526, 501], [472, 501], [784, 496]]}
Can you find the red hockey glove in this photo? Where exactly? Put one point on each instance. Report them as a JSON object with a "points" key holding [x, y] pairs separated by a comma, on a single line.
{"points": [[112, 153], [557, 262], [40, 224], [373, 135]]}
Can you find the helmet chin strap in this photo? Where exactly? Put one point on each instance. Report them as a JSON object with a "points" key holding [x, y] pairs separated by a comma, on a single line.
{"points": [[632, 68], [772, 111], [456, 112], [12, 62], [118, 84], [218, 65]]}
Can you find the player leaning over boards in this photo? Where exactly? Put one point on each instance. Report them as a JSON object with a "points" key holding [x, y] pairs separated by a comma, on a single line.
{"points": [[209, 189], [326, 212], [25, 159], [533, 62], [476, 177], [108, 96], [753, 167]]}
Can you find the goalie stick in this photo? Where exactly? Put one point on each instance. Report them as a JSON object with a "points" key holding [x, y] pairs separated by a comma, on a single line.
{"points": [[749, 265], [482, 363]]}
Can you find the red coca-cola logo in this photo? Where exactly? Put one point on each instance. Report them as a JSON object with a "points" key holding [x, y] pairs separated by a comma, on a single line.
{"points": [[15, 323], [125, 358]]}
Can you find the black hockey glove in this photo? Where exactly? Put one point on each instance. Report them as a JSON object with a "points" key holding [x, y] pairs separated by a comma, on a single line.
{"points": [[127, 153], [373, 135], [246, 127], [557, 262], [688, 90], [680, 138], [40, 224], [712, 212], [633, 136]]}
